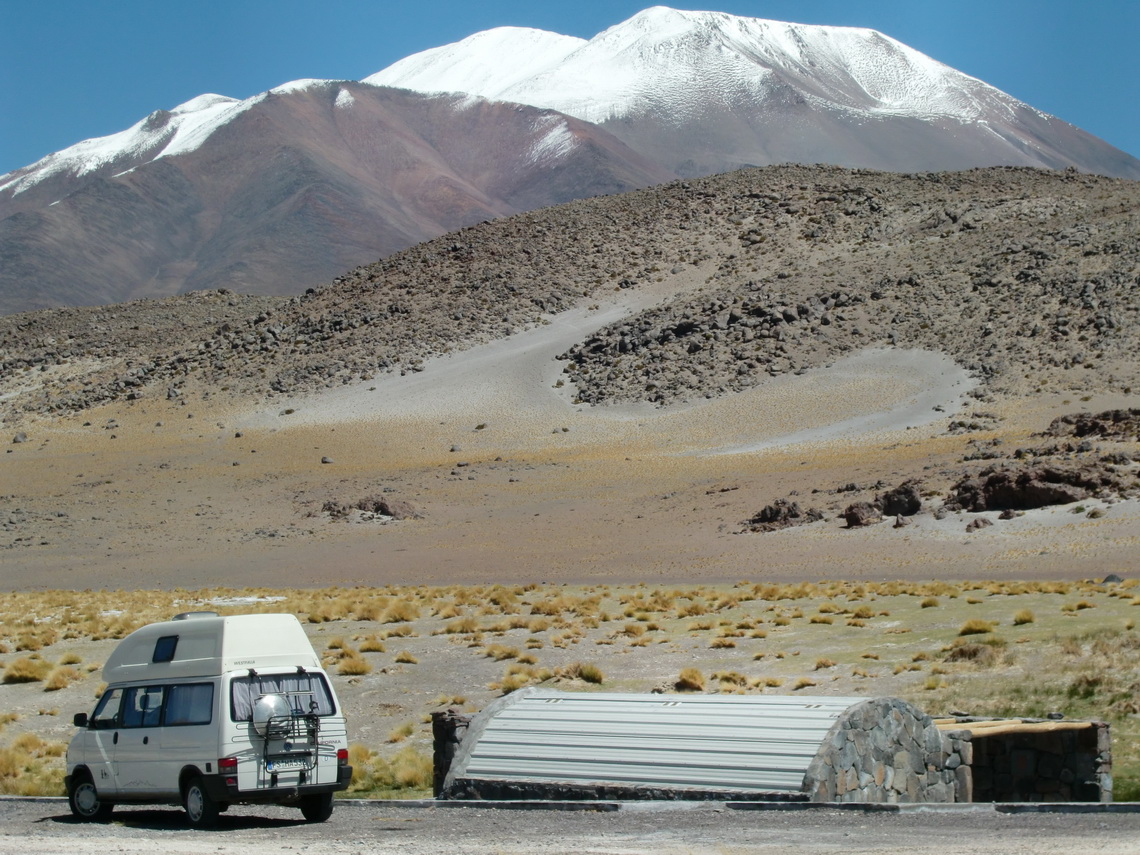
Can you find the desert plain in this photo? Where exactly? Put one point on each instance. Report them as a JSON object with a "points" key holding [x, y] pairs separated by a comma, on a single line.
{"points": [[470, 520]]}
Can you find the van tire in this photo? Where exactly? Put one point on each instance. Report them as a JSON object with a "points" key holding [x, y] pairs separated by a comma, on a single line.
{"points": [[84, 800], [317, 808], [201, 810]]}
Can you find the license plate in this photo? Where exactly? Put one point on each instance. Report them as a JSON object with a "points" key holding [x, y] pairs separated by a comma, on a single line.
{"points": [[286, 765]]}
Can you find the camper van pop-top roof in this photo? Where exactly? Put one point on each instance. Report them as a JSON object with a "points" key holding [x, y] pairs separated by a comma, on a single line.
{"points": [[203, 644]]}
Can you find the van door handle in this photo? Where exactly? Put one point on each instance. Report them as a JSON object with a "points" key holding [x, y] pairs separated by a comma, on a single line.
{"points": [[146, 740], [115, 741]]}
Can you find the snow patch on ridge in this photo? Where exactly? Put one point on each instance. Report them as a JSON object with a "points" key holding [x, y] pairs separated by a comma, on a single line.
{"points": [[160, 134], [344, 99], [555, 143], [298, 85], [485, 63]]}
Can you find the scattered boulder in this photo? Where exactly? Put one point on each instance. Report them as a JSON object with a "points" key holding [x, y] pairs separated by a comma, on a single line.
{"points": [[978, 523], [782, 514], [901, 521], [904, 500], [20, 437], [862, 514]]}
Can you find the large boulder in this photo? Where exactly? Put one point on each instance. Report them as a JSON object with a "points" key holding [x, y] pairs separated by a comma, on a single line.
{"points": [[862, 514]]}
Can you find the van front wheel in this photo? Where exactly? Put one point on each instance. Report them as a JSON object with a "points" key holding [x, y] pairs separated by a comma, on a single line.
{"points": [[201, 810], [317, 808], [85, 802]]}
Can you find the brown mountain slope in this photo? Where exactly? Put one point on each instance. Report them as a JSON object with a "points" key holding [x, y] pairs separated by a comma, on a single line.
{"points": [[302, 185]]}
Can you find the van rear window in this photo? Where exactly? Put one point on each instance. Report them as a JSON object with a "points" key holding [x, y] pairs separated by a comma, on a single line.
{"points": [[306, 693]]}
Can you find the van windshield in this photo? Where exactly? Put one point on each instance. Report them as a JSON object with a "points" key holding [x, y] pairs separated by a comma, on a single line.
{"points": [[306, 693]]}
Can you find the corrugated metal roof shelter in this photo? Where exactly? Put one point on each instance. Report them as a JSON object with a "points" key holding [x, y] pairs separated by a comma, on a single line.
{"points": [[547, 744]]}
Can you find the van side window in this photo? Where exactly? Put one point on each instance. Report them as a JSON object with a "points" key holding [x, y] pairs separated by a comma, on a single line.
{"points": [[191, 703], [305, 693], [106, 713], [164, 649], [142, 706]]}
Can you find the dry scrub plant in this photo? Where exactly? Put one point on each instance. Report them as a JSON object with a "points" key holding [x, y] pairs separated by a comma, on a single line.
{"points": [[406, 775]]}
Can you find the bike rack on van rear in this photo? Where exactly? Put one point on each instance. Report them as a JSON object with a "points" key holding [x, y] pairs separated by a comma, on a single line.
{"points": [[280, 721]]}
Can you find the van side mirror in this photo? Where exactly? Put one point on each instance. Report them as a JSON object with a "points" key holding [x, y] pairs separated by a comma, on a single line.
{"points": [[80, 719]]}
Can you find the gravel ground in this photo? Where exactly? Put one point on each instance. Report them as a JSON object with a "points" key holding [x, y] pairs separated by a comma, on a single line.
{"points": [[30, 827]]}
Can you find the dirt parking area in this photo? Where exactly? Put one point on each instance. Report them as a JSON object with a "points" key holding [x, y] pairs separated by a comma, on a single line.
{"points": [[30, 827]]}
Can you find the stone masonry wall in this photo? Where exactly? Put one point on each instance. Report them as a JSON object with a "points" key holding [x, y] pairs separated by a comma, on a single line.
{"points": [[885, 750], [1053, 766]]}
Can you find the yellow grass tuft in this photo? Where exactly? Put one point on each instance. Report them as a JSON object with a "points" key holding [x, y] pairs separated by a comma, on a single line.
{"points": [[975, 626], [1023, 617], [60, 678], [399, 734], [26, 670], [372, 644], [353, 665], [690, 680], [581, 671]]}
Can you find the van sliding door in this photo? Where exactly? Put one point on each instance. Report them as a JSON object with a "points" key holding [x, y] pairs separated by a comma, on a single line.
{"points": [[189, 733], [138, 751]]}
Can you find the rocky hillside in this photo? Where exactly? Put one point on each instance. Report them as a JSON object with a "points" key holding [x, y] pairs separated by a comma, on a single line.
{"points": [[1028, 277]]}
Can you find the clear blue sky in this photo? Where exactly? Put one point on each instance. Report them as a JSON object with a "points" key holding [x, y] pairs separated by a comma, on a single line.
{"points": [[74, 69]]}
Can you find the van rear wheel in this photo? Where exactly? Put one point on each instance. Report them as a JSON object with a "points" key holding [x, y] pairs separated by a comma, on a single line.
{"points": [[201, 810], [317, 808], [85, 801]]}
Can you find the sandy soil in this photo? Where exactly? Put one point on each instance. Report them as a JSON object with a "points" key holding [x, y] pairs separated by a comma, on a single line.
{"points": [[41, 827], [513, 481]]}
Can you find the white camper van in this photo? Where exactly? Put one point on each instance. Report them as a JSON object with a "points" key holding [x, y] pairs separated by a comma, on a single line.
{"points": [[208, 711]]}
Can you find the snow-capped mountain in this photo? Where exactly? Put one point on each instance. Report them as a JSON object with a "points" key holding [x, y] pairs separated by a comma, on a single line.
{"points": [[275, 193], [703, 91], [668, 58]]}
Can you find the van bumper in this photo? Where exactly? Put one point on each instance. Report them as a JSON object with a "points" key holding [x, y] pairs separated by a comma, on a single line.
{"points": [[217, 789]]}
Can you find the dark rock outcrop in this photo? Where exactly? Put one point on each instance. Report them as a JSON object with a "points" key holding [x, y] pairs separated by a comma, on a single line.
{"points": [[782, 514], [1035, 485], [1111, 424]]}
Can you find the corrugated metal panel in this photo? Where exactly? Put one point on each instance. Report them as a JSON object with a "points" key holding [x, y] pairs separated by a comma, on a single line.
{"points": [[712, 742]]}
